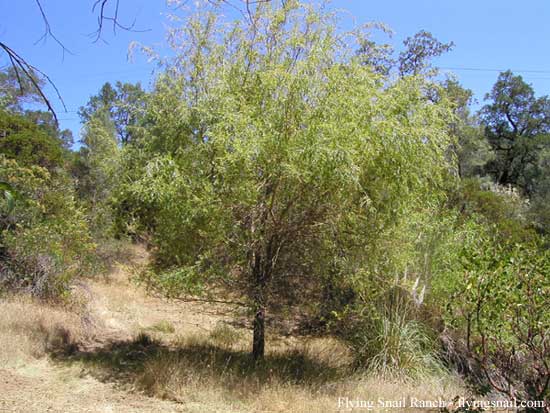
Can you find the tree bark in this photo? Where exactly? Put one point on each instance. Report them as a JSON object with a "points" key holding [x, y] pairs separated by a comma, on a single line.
{"points": [[261, 272], [258, 344]]}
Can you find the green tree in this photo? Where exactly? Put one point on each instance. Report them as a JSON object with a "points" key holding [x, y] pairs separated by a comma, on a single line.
{"points": [[501, 303], [29, 143], [419, 49], [471, 148], [98, 170], [377, 56], [124, 103], [44, 238], [16, 91], [16, 94], [517, 125], [273, 153]]}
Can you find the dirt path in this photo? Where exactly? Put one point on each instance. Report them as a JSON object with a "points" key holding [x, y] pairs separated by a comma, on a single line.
{"points": [[119, 310]]}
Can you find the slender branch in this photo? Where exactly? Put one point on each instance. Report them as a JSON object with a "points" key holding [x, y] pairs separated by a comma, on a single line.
{"points": [[20, 64], [207, 300], [101, 7], [48, 30]]}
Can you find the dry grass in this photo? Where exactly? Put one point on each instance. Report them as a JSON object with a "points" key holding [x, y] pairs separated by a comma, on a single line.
{"points": [[301, 377], [30, 329], [191, 356], [214, 372]]}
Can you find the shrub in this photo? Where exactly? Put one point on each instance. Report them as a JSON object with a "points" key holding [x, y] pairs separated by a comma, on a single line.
{"points": [[501, 308], [45, 238], [389, 338], [25, 141]]}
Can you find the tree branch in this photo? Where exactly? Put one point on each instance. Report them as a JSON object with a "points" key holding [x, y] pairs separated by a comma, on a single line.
{"points": [[19, 64], [48, 30], [101, 7]]}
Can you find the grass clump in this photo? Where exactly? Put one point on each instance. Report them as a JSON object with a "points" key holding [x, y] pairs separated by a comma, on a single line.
{"points": [[163, 326]]}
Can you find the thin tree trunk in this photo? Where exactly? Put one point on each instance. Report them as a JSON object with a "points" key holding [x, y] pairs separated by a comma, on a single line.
{"points": [[261, 276], [258, 343]]}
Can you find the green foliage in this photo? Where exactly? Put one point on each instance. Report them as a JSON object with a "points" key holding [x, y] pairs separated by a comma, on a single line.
{"points": [[17, 90], [387, 335], [123, 104], [501, 304], [500, 207], [29, 144], [45, 239], [274, 155], [421, 47], [97, 170], [471, 148], [517, 125]]}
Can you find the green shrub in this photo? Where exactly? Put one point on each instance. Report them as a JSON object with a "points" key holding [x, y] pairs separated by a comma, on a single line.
{"points": [[25, 141], [389, 338], [45, 238], [500, 307]]}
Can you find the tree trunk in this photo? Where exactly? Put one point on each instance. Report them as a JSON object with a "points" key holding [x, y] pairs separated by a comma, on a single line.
{"points": [[261, 272], [258, 343], [262, 267]]}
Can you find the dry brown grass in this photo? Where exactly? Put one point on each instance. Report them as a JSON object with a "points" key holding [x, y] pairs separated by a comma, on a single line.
{"points": [[214, 372], [296, 377], [30, 329], [191, 356]]}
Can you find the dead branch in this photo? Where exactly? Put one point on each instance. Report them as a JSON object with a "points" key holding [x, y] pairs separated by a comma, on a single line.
{"points": [[101, 7], [22, 67]]}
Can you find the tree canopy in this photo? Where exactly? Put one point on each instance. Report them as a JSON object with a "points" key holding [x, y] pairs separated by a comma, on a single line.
{"points": [[253, 126]]}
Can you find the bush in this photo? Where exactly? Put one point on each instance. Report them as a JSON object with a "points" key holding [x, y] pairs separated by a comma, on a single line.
{"points": [[495, 205], [26, 142], [389, 338], [45, 239], [501, 308]]}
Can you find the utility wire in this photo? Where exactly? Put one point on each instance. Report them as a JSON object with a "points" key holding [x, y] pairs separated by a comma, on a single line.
{"points": [[479, 69]]}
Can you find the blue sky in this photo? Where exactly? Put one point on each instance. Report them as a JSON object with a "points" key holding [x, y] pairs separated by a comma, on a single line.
{"points": [[488, 34]]}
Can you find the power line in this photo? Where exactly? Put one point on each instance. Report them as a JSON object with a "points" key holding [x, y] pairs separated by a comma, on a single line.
{"points": [[479, 69]]}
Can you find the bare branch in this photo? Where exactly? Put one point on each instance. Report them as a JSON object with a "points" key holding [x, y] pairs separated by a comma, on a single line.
{"points": [[19, 64], [103, 16], [48, 30]]}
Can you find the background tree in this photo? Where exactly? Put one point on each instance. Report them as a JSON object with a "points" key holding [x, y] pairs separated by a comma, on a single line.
{"points": [[517, 125], [471, 148], [419, 49], [124, 105], [16, 92], [17, 95], [97, 172], [376, 56], [29, 143]]}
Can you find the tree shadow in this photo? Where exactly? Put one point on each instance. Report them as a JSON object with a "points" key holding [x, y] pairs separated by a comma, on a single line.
{"points": [[149, 364]]}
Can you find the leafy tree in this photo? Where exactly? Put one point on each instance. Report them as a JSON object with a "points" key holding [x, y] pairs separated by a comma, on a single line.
{"points": [[273, 154], [471, 148], [377, 56], [29, 143], [46, 122], [419, 49], [45, 241], [124, 103], [16, 94], [501, 303], [98, 170], [517, 125]]}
